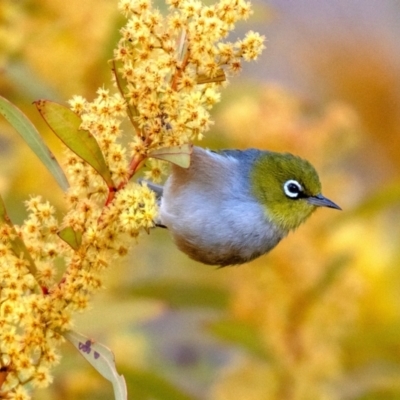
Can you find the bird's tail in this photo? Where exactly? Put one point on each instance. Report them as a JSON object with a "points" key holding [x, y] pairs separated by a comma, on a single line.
{"points": [[158, 190]]}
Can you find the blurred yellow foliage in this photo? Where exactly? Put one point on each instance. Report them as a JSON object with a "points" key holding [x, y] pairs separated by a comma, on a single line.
{"points": [[303, 297], [70, 40], [323, 307]]}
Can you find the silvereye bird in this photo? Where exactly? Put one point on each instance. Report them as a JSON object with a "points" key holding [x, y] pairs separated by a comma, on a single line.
{"points": [[232, 206]]}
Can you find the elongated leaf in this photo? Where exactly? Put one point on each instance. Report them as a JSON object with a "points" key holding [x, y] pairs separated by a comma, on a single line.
{"points": [[33, 139], [74, 239], [102, 359], [149, 385], [65, 124], [179, 155], [17, 244], [184, 295], [242, 335]]}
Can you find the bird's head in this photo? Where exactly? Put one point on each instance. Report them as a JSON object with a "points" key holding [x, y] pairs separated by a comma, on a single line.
{"points": [[288, 187]]}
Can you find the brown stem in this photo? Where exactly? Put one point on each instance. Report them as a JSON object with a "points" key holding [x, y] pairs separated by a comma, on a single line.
{"points": [[129, 111], [3, 375], [133, 167], [179, 70]]}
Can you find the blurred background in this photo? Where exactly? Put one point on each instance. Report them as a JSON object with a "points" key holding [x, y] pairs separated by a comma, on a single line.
{"points": [[318, 317]]}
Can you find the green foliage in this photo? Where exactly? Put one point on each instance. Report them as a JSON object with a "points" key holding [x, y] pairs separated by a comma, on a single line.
{"points": [[179, 155], [33, 139], [73, 238], [66, 125], [279, 305]]}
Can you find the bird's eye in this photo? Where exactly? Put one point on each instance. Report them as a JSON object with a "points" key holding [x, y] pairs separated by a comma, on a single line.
{"points": [[292, 189]]}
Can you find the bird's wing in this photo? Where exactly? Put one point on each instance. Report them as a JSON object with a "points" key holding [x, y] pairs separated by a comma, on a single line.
{"points": [[248, 154]]}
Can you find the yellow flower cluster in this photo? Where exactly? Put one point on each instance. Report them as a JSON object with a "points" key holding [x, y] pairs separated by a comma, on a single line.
{"points": [[102, 118], [36, 309], [28, 317], [171, 68], [168, 71]]}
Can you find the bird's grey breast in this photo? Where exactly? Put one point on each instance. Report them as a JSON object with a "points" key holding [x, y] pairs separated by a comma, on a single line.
{"points": [[211, 211]]}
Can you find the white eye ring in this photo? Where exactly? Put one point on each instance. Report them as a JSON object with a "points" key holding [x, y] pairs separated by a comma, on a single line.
{"points": [[292, 189]]}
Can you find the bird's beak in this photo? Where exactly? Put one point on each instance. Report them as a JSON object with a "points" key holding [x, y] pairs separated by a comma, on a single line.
{"points": [[322, 201]]}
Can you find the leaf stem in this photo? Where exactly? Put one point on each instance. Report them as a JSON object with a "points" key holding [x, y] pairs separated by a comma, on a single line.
{"points": [[180, 69], [129, 111]]}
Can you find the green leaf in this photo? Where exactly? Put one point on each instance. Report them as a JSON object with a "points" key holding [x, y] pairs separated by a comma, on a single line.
{"points": [[179, 155], [65, 124], [33, 139], [17, 244], [102, 359], [148, 385], [183, 294], [71, 237], [242, 335]]}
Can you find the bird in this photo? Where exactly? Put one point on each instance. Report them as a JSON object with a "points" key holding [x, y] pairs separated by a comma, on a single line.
{"points": [[232, 206]]}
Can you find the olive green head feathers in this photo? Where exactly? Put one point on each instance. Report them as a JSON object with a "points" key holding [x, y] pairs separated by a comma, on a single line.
{"points": [[288, 187]]}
